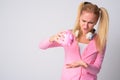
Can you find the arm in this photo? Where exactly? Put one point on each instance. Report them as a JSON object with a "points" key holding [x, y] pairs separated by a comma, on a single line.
{"points": [[48, 44], [96, 66], [53, 41], [92, 68]]}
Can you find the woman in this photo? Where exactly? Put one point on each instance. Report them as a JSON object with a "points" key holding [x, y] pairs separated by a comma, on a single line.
{"points": [[84, 55]]}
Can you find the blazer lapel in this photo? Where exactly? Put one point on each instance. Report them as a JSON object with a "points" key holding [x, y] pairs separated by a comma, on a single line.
{"points": [[90, 49]]}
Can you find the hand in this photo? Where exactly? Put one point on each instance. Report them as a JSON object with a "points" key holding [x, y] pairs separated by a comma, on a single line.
{"points": [[77, 64], [57, 37]]}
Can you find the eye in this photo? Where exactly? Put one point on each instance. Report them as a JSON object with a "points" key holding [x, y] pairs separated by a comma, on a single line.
{"points": [[83, 21], [91, 22]]}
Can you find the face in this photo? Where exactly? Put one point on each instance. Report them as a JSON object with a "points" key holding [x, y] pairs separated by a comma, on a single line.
{"points": [[87, 21]]}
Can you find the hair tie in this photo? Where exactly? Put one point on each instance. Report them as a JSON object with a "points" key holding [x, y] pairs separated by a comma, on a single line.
{"points": [[87, 3]]}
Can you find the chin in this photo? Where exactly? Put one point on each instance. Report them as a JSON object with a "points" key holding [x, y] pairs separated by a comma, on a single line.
{"points": [[85, 32]]}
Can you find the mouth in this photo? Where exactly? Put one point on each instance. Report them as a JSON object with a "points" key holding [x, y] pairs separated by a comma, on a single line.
{"points": [[85, 30]]}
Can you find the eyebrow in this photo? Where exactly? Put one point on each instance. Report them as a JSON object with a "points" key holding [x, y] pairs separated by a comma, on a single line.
{"points": [[88, 22]]}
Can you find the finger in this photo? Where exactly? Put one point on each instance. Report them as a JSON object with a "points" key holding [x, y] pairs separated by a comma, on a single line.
{"points": [[56, 38], [72, 64], [69, 65], [85, 65], [59, 38], [61, 35]]}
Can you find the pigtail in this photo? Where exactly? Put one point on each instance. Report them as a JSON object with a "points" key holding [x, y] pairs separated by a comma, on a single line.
{"points": [[102, 29], [76, 29]]}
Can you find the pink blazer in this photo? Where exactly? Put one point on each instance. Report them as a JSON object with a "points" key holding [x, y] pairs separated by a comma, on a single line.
{"points": [[90, 55]]}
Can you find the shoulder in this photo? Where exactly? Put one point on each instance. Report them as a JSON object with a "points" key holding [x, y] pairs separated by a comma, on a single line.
{"points": [[69, 30]]}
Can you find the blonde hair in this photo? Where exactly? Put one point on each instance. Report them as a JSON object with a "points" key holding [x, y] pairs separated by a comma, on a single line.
{"points": [[103, 17]]}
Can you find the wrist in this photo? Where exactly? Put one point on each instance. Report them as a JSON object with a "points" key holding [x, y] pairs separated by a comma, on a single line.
{"points": [[51, 39]]}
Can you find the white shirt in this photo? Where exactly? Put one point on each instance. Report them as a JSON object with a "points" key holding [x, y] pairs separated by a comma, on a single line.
{"points": [[82, 47]]}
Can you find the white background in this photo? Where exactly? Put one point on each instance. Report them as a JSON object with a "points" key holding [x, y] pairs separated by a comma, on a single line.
{"points": [[23, 23]]}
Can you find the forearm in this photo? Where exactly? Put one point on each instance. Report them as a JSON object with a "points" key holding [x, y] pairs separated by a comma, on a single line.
{"points": [[47, 43], [94, 68]]}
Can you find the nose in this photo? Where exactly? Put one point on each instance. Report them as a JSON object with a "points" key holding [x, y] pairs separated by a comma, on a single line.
{"points": [[86, 25]]}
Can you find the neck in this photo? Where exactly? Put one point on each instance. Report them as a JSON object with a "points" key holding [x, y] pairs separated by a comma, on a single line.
{"points": [[83, 39]]}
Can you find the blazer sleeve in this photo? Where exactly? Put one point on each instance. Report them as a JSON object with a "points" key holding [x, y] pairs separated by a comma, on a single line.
{"points": [[45, 44], [96, 66]]}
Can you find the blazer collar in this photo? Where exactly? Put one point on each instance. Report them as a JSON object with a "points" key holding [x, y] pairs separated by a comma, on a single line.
{"points": [[90, 49]]}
